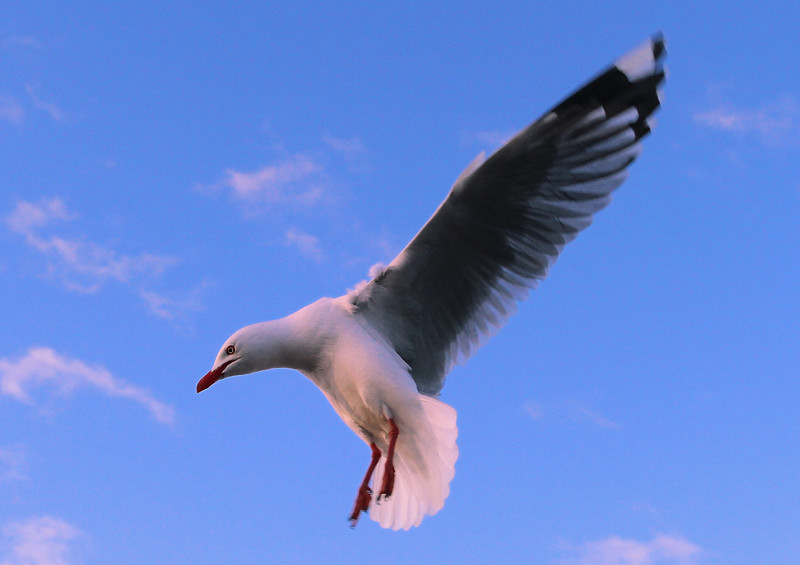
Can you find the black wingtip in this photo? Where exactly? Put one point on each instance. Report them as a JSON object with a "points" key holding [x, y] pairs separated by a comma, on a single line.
{"points": [[659, 45]]}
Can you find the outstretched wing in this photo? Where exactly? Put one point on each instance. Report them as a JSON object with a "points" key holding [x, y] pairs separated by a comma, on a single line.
{"points": [[506, 220]]}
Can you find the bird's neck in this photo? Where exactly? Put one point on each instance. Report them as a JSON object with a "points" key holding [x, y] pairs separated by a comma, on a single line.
{"points": [[284, 343]]}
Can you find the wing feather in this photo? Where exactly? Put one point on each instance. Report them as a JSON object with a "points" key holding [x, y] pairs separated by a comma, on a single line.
{"points": [[507, 219]]}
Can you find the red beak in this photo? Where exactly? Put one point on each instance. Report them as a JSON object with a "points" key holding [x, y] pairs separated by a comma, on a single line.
{"points": [[212, 376]]}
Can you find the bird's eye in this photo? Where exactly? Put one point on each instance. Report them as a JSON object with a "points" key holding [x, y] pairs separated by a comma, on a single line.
{"points": [[230, 349]]}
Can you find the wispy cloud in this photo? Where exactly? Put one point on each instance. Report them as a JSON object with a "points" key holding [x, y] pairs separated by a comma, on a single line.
{"points": [[595, 416], [51, 109], [574, 411], [305, 243], [82, 265], [775, 123], [535, 410], [298, 179], [294, 186], [661, 550], [22, 41], [174, 306], [43, 368], [11, 110], [352, 150], [42, 540], [28, 216], [12, 464]]}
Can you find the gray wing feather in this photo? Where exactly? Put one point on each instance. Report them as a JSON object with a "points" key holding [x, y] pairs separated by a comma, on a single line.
{"points": [[506, 220]]}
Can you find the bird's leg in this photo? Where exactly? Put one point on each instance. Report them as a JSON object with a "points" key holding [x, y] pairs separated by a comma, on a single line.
{"points": [[364, 495], [388, 472]]}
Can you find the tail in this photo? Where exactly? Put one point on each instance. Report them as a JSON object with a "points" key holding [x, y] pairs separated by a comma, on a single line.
{"points": [[424, 466]]}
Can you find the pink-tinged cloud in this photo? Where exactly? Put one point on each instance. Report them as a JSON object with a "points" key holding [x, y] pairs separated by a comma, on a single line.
{"points": [[28, 217], [775, 124], [571, 411], [298, 179], [174, 306], [22, 41], [45, 372], [82, 265], [12, 464], [42, 540], [305, 243], [661, 550], [49, 108], [352, 150], [352, 147]]}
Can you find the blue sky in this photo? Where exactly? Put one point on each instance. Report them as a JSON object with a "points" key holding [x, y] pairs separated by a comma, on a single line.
{"points": [[170, 174]]}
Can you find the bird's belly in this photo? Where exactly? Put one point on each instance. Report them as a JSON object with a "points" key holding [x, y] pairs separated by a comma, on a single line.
{"points": [[366, 423], [367, 383], [366, 411], [366, 400]]}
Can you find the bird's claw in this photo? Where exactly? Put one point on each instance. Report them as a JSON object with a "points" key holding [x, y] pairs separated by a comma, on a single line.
{"points": [[362, 504]]}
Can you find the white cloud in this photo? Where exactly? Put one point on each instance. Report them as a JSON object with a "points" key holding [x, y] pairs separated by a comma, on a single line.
{"points": [[724, 119], [42, 540], [165, 306], [352, 147], [44, 368], [775, 123], [27, 216], [49, 108], [11, 110], [352, 150], [24, 41], [12, 464], [594, 416], [535, 410], [298, 179], [175, 306], [661, 550], [82, 265], [307, 244], [573, 411]]}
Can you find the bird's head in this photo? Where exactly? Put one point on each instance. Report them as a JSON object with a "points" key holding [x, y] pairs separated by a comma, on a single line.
{"points": [[266, 345], [232, 359]]}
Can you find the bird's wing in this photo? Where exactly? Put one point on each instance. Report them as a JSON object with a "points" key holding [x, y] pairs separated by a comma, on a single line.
{"points": [[507, 218]]}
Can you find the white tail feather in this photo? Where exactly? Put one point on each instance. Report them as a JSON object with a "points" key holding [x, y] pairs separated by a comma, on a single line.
{"points": [[424, 466]]}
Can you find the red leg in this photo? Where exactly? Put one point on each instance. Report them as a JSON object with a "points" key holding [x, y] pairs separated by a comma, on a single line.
{"points": [[364, 492], [388, 472]]}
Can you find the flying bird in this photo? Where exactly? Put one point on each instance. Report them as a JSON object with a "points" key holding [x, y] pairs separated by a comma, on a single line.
{"points": [[381, 352]]}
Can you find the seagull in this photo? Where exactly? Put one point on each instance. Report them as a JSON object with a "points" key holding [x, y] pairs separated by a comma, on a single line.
{"points": [[380, 353]]}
